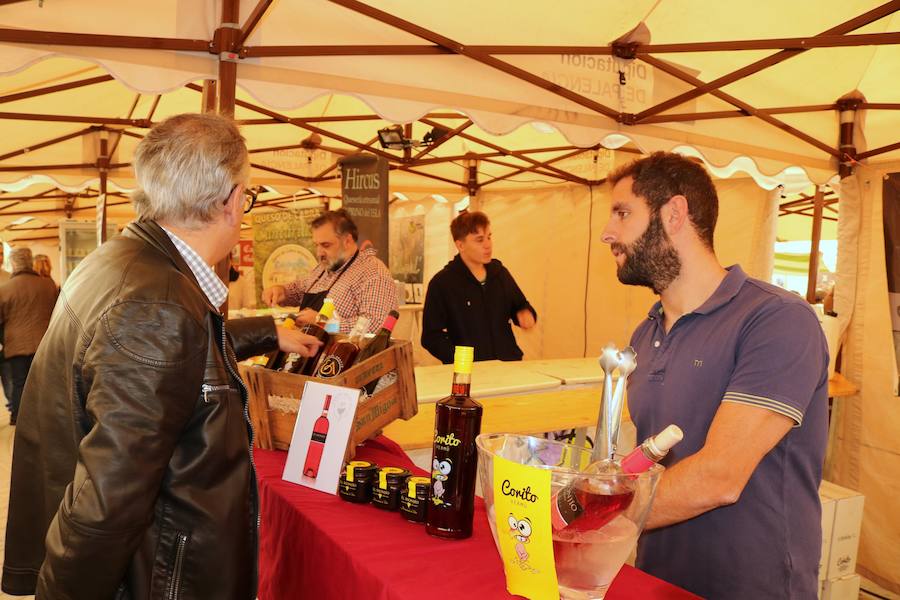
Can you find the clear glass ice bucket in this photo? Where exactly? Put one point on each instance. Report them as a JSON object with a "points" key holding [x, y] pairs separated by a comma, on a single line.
{"points": [[587, 560]]}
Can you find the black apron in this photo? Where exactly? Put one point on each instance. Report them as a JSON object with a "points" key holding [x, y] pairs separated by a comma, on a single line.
{"points": [[317, 299]]}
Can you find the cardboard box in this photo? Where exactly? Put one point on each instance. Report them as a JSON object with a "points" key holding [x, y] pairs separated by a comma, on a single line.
{"points": [[845, 588], [848, 514], [828, 506]]}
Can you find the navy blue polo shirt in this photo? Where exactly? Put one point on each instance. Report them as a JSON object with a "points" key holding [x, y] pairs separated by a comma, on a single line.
{"points": [[756, 344]]}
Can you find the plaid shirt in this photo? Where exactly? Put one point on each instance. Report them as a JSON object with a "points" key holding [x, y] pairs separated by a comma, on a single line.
{"points": [[209, 282], [365, 288]]}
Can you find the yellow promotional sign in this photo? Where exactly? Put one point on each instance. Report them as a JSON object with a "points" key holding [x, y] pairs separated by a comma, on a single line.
{"points": [[522, 509]]}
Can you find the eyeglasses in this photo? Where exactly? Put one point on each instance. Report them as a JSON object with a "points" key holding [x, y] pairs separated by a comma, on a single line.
{"points": [[249, 198]]}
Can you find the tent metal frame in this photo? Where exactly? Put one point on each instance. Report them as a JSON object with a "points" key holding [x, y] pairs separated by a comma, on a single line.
{"points": [[229, 43]]}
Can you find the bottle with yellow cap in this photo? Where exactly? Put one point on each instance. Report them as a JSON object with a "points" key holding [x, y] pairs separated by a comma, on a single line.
{"points": [[454, 459]]}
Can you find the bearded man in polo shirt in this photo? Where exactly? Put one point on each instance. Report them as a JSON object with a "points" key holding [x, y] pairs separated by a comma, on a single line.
{"points": [[742, 367]]}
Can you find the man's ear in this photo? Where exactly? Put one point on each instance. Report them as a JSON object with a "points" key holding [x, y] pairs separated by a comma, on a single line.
{"points": [[234, 206], [674, 214], [458, 244]]}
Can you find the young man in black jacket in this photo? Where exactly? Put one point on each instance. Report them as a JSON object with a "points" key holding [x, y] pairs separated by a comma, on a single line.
{"points": [[471, 300]]}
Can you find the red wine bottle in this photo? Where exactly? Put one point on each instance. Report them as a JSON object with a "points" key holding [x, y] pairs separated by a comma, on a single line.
{"points": [[588, 503], [317, 442], [382, 339], [380, 342]]}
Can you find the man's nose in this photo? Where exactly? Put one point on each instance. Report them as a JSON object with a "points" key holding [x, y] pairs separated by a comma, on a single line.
{"points": [[608, 236]]}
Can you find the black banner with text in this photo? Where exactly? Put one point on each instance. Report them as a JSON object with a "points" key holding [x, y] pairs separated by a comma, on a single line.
{"points": [[364, 186]]}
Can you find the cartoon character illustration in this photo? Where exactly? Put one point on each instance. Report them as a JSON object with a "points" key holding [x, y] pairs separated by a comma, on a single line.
{"points": [[440, 469], [521, 532]]}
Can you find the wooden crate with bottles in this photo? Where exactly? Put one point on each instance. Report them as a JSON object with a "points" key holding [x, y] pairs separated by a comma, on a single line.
{"points": [[275, 396]]}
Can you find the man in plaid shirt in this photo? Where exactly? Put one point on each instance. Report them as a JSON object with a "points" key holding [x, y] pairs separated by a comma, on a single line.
{"points": [[358, 282]]}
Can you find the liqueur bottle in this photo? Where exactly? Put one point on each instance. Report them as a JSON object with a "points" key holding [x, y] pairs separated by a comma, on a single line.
{"points": [[457, 422], [342, 355], [317, 442], [588, 503], [305, 365]]}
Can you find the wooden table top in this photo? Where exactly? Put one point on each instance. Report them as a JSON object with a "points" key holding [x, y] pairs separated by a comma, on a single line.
{"points": [[489, 378], [571, 371], [525, 413]]}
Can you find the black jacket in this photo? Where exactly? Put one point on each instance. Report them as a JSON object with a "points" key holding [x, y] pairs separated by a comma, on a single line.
{"points": [[461, 311], [132, 453]]}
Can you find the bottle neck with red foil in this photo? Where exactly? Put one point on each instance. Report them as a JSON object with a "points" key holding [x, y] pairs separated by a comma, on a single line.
{"points": [[389, 323], [327, 404], [462, 383]]}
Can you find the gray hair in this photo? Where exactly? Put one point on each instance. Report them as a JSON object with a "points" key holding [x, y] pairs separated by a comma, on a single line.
{"points": [[186, 167], [20, 259]]}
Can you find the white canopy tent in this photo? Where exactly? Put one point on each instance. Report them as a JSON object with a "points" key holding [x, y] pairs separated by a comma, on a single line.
{"points": [[760, 88]]}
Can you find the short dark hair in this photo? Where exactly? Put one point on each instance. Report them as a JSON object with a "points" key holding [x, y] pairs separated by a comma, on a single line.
{"points": [[340, 220], [468, 222], [658, 177]]}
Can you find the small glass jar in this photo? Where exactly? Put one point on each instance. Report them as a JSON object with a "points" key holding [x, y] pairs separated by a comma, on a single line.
{"points": [[414, 498], [356, 481], [386, 492]]}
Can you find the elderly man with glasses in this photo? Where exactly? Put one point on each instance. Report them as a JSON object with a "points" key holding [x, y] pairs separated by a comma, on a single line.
{"points": [[133, 469]]}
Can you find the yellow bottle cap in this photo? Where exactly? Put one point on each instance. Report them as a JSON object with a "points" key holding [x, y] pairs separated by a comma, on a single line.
{"points": [[463, 358], [327, 308]]}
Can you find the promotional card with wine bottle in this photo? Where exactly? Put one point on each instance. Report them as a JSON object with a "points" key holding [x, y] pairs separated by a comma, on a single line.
{"points": [[320, 436]]}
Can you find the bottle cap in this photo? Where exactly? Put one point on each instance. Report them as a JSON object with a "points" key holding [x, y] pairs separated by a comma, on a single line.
{"points": [[327, 308], [666, 438], [463, 358]]}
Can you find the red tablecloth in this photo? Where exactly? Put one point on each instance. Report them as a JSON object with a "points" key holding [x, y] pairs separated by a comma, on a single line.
{"points": [[315, 545]]}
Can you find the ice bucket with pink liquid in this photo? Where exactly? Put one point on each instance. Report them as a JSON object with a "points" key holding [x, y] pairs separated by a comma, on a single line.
{"points": [[591, 544]]}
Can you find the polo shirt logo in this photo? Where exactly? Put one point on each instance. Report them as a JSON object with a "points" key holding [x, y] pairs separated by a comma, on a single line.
{"points": [[698, 363]]}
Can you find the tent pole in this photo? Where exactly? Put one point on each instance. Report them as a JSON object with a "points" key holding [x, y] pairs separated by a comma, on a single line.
{"points": [[208, 102], [103, 167], [227, 36], [818, 204]]}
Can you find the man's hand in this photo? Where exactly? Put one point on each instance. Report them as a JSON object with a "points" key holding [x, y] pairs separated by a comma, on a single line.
{"points": [[525, 318], [273, 296], [291, 340], [307, 315]]}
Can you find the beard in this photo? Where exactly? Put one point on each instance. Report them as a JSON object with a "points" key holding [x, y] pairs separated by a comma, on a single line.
{"points": [[651, 260], [336, 264]]}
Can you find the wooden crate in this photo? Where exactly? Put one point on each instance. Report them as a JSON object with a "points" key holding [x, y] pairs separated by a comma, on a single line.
{"points": [[275, 397]]}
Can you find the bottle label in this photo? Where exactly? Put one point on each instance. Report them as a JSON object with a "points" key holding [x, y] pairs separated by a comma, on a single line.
{"points": [[442, 477], [291, 362], [331, 366], [522, 505], [565, 508], [318, 437]]}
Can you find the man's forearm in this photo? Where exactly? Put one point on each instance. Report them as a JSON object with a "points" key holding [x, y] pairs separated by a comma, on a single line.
{"points": [[690, 488]]}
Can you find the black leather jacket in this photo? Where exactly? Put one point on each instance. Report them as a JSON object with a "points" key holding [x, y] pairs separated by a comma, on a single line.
{"points": [[132, 452]]}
